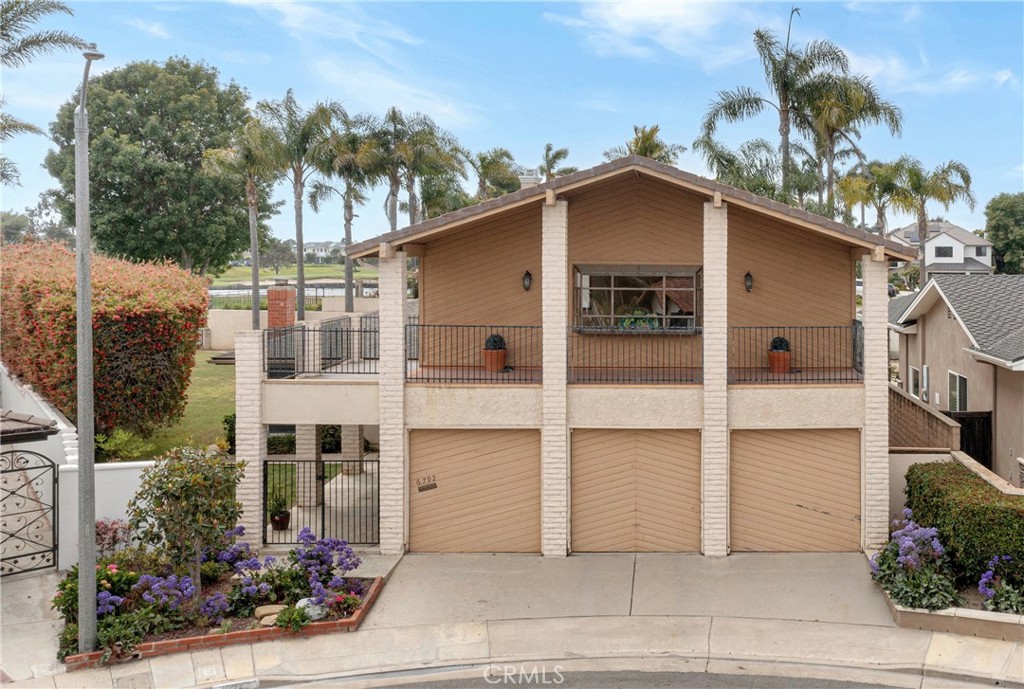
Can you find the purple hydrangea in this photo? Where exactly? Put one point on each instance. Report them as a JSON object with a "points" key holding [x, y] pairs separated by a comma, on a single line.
{"points": [[166, 592], [107, 602], [916, 544], [989, 580], [325, 555], [215, 606]]}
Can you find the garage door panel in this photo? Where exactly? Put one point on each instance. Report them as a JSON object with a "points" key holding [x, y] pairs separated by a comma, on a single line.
{"points": [[795, 490], [635, 490], [487, 495]]}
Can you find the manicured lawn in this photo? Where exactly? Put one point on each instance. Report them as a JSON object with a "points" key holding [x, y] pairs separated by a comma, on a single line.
{"points": [[242, 274], [211, 397]]}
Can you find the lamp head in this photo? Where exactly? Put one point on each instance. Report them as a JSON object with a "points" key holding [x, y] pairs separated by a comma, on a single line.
{"points": [[90, 53]]}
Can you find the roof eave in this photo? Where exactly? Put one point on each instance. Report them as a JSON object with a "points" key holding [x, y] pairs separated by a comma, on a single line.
{"points": [[1013, 365]]}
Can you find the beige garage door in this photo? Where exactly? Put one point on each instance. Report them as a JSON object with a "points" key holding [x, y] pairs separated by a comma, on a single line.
{"points": [[795, 491], [635, 490], [474, 491]]}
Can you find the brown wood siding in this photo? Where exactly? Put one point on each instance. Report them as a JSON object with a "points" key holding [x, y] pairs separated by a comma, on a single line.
{"points": [[475, 277], [635, 490], [795, 490], [487, 497], [799, 278], [589, 351]]}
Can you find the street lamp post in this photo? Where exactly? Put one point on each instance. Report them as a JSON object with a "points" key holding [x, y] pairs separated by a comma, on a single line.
{"points": [[86, 420]]}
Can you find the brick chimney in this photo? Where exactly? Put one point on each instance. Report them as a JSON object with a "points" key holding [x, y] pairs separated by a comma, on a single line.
{"points": [[529, 178], [280, 305]]}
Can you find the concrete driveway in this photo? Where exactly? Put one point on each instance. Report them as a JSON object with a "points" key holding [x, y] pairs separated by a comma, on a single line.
{"points": [[446, 589]]}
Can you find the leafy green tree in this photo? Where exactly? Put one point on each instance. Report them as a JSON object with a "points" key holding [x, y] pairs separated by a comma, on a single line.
{"points": [[280, 254], [646, 142], [250, 161], [349, 156], [916, 187], [429, 151], [184, 505], [300, 136], [788, 70], [1004, 227], [152, 198], [551, 165], [443, 193], [19, 45], [48, 223], [496, 173], [15, 227], [871, 184]]}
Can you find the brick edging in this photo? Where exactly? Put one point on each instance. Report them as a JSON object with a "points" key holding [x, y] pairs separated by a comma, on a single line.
{"points": [[151, 649]]}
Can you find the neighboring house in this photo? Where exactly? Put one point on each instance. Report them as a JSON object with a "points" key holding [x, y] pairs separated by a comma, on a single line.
{"points": [[949, 248], [635, 407], [962, 350]]}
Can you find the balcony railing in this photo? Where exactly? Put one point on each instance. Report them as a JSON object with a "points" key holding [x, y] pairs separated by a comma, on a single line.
{"points": [[455, 354], [616, 355], [331, 347], [817, 354]]}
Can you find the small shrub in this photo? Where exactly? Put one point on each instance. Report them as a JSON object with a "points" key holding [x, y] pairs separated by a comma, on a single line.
{"points": [[292, 618], [122, 446], [974, 519], [779, 344], [229, 432], [494, 342], [112, 535], [913, 568], [330, 439], [282, 444], [1000, 594]]}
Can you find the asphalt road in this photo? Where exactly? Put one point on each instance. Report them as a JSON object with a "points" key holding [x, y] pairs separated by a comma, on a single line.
{"points": [[551, 677]]}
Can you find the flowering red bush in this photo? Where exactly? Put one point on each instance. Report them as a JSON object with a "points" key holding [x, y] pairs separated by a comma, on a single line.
{"points": [[146, 322]]}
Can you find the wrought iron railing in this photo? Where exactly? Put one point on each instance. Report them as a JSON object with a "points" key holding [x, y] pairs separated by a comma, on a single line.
{"points": [[243, 302], [625, 355], [809, 354], [456, 354], [330, 347], [333, 498]]}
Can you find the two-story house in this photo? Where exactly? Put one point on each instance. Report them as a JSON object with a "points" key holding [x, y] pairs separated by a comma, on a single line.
{"points": [[961, 351], [949, 248], [680, 369]]}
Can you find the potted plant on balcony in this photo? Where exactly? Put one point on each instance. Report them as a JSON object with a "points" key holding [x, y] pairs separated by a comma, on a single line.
{"points": [[277, 509], [495, 354], [779, 355]]}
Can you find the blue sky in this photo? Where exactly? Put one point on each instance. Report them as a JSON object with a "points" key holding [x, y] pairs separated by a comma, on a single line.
{"points": [[578, 75]]}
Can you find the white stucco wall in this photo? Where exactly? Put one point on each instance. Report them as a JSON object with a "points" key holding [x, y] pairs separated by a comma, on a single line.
{"points": [[653, 406], [802, 406], [473, 406], [62, 447], [321, 401]]}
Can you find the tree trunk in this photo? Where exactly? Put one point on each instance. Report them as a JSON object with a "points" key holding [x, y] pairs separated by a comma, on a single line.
{"points": [[784, 136], [349, 286], [880, 218], [254, 251], [394, 185], [922, 237], [414, 210], [300, 272], [186, 261], [830, 178]]}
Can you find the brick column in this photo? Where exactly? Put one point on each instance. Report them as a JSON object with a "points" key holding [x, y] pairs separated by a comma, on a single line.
{"points": [[875, 438], [715, 435], [391, 381], [352, 449], [250, 433], [554, 436], [280, 305], [309, 492]]}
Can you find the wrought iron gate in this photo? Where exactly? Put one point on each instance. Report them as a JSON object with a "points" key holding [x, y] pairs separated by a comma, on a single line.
{"points": [[28, 512]]}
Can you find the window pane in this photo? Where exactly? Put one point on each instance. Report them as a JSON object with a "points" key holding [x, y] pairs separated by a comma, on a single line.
{"points": [[600, 301], [600, 280], [953, 388], [944, 251], [962, 391], [981, 251]]}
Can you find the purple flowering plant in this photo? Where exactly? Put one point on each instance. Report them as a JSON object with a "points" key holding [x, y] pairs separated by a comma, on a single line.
{"points": [[1000, 594], [913, 567]]}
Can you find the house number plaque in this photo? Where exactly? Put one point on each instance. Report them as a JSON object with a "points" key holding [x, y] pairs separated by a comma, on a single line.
{"points": [[426, 483]]}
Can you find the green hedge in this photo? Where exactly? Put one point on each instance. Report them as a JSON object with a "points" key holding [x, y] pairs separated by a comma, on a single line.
{"points": [[974, 519]]}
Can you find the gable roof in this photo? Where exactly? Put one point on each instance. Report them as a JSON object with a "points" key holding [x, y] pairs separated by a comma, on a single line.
{"points": [[967, 265], [990, 308], [627, 165], [908, 233], [898, 305]]}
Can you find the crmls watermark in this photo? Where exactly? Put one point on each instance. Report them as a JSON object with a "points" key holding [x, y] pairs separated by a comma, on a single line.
{"points": [[521, 674]]}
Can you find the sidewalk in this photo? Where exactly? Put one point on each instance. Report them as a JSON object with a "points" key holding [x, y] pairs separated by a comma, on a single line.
{"points": [[445, 616]]}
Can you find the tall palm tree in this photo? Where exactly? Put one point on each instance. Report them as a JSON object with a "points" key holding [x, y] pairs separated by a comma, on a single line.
{"points": [[646, 142], [946, 184], [250, 159], [19, 45], [787, 70], [496, 172], [428, 150], [838, 106], [870, 184], [299, 137], [348, 155], [553, 157]]}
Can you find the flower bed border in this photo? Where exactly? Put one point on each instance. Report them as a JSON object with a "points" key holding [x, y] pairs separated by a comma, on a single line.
{"points": [[963, 621], [152, 649]]}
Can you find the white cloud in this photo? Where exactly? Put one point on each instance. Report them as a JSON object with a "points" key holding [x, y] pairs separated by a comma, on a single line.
{"points": [[154, 29], [637, 29], [893, 74]]}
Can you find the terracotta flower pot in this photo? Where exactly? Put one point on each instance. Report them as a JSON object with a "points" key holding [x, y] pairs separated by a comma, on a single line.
{"points": [[778, 362], [494, 360]]}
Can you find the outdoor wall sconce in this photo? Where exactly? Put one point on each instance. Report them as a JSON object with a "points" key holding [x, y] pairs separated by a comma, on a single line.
{"points": [[748, 281], [527, 281]]}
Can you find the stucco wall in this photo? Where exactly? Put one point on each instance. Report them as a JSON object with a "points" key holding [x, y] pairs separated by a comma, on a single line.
{"points": [[651, 406], [795, 406], [1009, 423], [480, 406], [62, 447], [321, 401], [944, 343]]}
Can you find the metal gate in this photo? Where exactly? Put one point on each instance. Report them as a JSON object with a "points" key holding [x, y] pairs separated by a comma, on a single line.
{"points": [[975, 434], [28, 512], [333, 498]]}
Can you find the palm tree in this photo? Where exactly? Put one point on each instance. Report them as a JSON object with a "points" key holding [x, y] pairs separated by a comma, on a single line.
{"points": [[348, 155], [496, 171], [19, 45], [838, 106], [870, 184], [250, 159], [428, 150], [946, 184], [787, 70], [553, 157], [299, 137], [647, 143]]}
